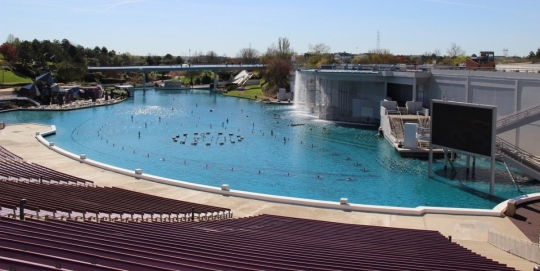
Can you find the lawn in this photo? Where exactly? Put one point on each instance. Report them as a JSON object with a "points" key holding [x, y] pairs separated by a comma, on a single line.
{"points": [[249, 92], [10, 78]]}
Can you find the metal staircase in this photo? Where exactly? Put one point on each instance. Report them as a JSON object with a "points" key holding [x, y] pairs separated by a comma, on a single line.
{"points": [[517, 119], [518, 158]]}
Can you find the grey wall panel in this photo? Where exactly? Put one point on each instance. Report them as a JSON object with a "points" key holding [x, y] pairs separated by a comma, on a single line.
{"points": [[503, 98]]}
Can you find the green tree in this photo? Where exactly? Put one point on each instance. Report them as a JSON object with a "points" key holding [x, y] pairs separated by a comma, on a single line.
{"points": [[70, 72], [380, 56], [318, 55], [168, 59], [25, 52], [278, 67], [127, 59], [178, 60]]}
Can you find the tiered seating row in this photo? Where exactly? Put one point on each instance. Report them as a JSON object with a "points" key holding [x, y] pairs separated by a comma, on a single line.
{"points": [[100, 203], [35, 172], [7, 155], [258, 243]]}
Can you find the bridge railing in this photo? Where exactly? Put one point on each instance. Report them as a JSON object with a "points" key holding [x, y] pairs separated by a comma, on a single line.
{"points": [[8, 97]]}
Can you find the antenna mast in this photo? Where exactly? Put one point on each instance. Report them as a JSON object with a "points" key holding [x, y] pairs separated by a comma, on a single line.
{"points": [[378, 40]]}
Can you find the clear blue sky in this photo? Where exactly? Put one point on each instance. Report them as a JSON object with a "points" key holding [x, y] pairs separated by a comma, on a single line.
{"points": [[158, 27]]}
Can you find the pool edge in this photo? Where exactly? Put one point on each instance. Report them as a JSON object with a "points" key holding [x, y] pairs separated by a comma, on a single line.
{"points": [[497, 211]]}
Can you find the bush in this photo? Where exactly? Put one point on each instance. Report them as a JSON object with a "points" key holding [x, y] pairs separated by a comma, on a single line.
{"points": [[230, 87], [27, 71]]}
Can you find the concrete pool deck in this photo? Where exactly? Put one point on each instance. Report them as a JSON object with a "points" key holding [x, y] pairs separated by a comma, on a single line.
{"points": [[468, 231]]}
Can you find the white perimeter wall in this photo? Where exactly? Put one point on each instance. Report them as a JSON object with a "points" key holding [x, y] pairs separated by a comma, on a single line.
{"points": [[509, 91]]}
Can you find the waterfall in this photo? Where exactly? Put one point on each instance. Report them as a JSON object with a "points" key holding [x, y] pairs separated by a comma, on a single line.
{"points": [[330, 97], [300, 90]]}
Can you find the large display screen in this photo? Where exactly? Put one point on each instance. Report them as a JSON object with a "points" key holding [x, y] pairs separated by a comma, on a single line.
{"points": [[461, 126]]}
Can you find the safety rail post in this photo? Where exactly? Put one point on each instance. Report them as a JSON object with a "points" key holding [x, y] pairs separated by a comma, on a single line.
{"points": [[22, 202]]}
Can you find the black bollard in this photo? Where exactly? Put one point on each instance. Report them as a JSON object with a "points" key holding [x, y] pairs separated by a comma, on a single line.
{"points": [[21, 209], [192, 214], [40, 179], [450, 238]]}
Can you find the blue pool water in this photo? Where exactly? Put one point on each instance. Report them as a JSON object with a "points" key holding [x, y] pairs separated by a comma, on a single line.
{"points": [[318, 160]]}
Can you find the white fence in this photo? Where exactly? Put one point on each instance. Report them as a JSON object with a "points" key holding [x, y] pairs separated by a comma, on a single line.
{"points": [[521, 248]]}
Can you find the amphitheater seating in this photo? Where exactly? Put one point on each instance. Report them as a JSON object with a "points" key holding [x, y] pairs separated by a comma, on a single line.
{"points": [[35, 173], [90, 202], [7, 155], [263, 242]]}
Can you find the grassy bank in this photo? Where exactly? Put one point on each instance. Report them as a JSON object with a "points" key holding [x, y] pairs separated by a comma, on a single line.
{"points": [[250, 93], [11, 78]]}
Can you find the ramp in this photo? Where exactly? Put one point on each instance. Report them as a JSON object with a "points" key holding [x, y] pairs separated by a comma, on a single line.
{"points": [[518, 158], [518, 119]]}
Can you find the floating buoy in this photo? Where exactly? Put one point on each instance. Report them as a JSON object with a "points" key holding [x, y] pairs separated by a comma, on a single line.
{"points": [[207, 143], [195, 133], [194, 143], [221, 143], [220, 133], [231, 134], [185, 134], [232, 141], [182, 142], [207, 133], [177, 136]]}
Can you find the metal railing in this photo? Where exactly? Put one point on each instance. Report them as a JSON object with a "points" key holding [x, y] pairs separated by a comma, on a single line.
{"points": [[519, 155], [521, 248], [517, 116], [393, 127]]}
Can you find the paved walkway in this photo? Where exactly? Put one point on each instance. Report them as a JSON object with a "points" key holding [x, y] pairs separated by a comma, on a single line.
{"points": [[527, 219], [468, 231]]}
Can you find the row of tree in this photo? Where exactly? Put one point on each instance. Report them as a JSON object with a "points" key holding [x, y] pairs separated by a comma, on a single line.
{"points": [[534, 57], [69, 61]]}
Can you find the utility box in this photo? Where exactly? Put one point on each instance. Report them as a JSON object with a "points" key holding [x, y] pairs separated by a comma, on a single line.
{"points": [[281, 95]]}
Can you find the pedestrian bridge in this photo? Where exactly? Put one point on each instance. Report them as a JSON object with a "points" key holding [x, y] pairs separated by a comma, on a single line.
{"points": [[181, 67]]}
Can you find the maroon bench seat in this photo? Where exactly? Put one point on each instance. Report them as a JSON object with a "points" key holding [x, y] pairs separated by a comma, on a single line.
{"points": [[262, 242]]}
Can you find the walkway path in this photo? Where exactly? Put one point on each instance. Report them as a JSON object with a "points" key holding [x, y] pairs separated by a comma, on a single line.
{"points": [[468, 231]]}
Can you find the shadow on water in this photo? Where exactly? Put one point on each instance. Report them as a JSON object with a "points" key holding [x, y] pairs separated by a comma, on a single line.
{"points": [[458, 181]]}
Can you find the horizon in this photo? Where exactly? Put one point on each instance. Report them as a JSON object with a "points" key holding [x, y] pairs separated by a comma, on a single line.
{"points": [[183, 28]]}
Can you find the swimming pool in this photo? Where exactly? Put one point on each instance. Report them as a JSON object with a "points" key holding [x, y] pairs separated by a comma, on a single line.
{"points": [[277, 149]]}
